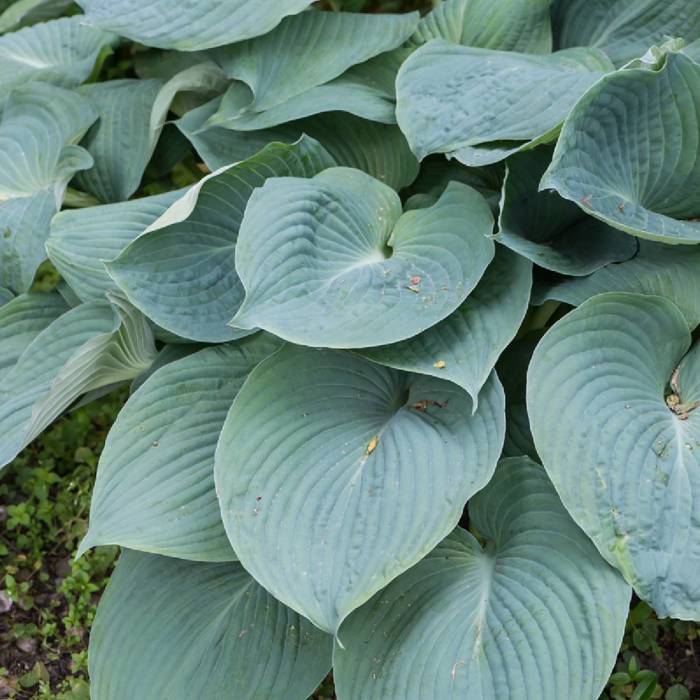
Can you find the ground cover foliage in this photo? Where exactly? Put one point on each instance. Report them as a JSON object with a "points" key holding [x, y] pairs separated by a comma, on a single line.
{"points": [[404, 303]]}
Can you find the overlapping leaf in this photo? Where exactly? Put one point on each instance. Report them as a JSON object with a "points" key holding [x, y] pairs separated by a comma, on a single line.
{"points": [[534, 613], [210, 630], [335, 474], [332, 262], [478, 106], [24, 13], [611, 398], [181, 272], [628, 154], [155, 482]]}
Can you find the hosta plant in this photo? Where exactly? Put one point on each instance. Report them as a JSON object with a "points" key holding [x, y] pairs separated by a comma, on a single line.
{"points": [[407, 303]]}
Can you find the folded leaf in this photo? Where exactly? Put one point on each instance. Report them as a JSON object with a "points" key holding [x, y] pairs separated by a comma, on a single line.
{"points": [[553, 232], [365, 276], [181, 272], [647, 118], [210, 630], [335, 475], [613, 418], [189, 26], [155, 482], [534, 613], [24, 13], [479, 106], [465, 346]]}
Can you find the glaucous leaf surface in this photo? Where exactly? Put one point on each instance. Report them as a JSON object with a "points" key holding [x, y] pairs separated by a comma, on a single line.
{"points": [[533, 613], [479, 106], [624, 29], [39, 129], [62, 52], [553, 232], [647, 116], [5, 296], [611, 398], [504, 25], [335, 474], [181, 272], [155, 481], [668, 271], [332, 261], [187, 26], [465, 346], [82, 240], [24, 13], [91, 346], [211, 631], [308, 50]]}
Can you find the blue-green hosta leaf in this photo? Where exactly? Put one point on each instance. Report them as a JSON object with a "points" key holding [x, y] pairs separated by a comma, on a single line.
{"points": [[692, 50], [62, 52], [308, 50], [465, 346], [23, 13], [622, 455], [181, 271], [21, 320], [335, 474], [380, 150], [39, 129], [155, 482], [479, 106], [189, 26], [5, 296], [210, 632], [365, 276], [504, 25], [624, 29], [553, 232], [628, 153], [81, 240], [668, 271], [89, 347], [534, 614]]}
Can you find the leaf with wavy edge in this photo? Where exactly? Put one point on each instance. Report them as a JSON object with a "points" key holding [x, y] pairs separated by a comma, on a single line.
{"points": [[647, 117], [366, 275], [155, 481], [534, 613], [553, 232], [180, 272], [335, 474], [479, 106], [465, 346], [89, 347], [623, 457], [503, 25], [210, 630], [189, 26]]}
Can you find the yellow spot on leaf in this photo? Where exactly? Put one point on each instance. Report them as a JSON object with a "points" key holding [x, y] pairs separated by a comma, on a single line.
{"points": [[440, 364], [372, 444]]}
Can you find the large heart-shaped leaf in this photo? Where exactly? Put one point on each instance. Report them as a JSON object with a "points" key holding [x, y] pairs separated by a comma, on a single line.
{"points": [[332, 262], [62, 52], [187, 26], [210, 630], [39, 129], [613, 420], [81, 240], [534, 613], [92, 346], [624, 29], [505, 25], [155, 482], [181, 272], [668, 271], [478, 106], [465, 346], [645, 116], [308, 50], [553, 232], [335, 474], [380, 150]]}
